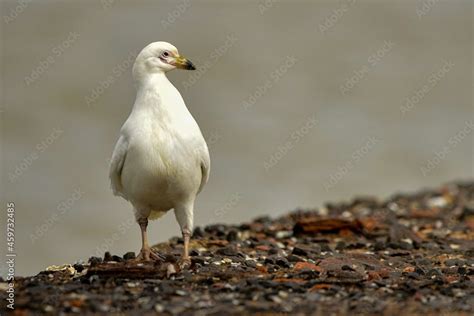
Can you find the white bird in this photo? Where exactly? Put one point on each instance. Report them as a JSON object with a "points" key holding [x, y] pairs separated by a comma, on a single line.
{"points": [[161, 160]]}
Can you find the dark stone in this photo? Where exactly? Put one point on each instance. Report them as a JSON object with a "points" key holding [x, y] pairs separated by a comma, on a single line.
{"points": [[277, 260], [419, 270], [250, 263], [198, 260], [347, 268], [78, 267], [325, 247], [229, 251], [117, 258], [194, 252], [274, 251], [434, 273], [107, 256], [462, 271], [198, 233], [299, 251], [340, 245], [405, 245], [454, 262], [232, 236], [129, 255], [217, 230], [93, 261], [379, 245]]}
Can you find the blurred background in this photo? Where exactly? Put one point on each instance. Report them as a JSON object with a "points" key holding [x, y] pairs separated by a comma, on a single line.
{"points": [[301, 103]]}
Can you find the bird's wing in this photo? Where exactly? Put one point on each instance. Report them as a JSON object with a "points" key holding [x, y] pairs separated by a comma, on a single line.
{"points": [[205, 167], [116, 166]]}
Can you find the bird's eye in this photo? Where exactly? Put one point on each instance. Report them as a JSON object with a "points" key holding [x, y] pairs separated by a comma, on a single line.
{"points": [[165, 54]]}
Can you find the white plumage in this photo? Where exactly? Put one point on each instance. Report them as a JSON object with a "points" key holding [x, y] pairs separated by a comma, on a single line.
{"points": [[161, 160]]}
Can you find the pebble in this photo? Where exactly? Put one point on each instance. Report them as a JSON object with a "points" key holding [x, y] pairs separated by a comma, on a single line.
{"points": [[129, 255]]}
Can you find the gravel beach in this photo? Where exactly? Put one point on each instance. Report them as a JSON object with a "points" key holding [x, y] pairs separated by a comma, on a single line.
{"points": [[411, 254]]}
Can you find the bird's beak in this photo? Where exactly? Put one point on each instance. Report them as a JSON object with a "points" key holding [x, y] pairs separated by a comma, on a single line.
{"points": [[183, 63]]}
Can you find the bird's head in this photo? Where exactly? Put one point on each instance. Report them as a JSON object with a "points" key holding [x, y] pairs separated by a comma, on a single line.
{"points": [[159, 57]]}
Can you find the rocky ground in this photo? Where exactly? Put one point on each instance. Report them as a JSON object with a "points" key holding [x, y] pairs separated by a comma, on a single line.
{"points": [[411, 254]]}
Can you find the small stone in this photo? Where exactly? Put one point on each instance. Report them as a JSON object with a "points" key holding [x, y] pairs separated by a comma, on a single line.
{"points": [[379, 245], [438, 201], [325, 247], [299, 251], [198, 233], [294, 258], [347, 268], [129, 255], [229, 251], [307, 266], [340, 245], [78, 267], [194, 253], [48, 309], [282, 262], [283, 234], [232, 236], [93, 261], [276, 299], [170, 270], [462, 271], [117, 258], [250, 263], [93, 278], [159, 308], [107, 256]]}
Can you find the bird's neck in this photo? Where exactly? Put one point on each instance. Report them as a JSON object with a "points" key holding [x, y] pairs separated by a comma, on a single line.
{"points": [[158, 94], [153, 82]]}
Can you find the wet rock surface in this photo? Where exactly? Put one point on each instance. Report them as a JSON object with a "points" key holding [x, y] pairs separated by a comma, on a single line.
{"points": [[410, 254]]}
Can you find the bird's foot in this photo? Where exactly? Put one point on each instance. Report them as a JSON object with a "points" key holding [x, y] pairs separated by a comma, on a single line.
{"points": [[147, 254], [184, 263]]}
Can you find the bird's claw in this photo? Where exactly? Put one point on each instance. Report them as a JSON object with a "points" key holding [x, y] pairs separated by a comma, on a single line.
{"points": [[184, 263], [147, 254]]}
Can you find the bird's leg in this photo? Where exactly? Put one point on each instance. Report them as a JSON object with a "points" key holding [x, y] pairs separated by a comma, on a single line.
{"points": [[185, 260], [184, 215], [186, 238], [146, 254]]}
